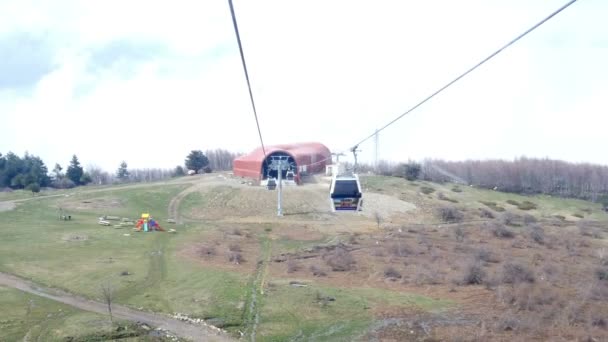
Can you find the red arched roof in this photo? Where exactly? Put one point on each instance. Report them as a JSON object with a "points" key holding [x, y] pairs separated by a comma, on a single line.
{"points": [[310, 156]]}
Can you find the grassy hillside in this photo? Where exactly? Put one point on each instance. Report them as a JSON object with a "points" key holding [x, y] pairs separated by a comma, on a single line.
{"points": [[310, 275]]}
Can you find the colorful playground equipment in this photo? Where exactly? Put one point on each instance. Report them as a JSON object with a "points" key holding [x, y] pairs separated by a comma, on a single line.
{"points": [[147, 224]]}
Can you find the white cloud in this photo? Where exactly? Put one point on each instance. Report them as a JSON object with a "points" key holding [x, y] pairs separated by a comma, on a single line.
{"points": [[327, 71]]}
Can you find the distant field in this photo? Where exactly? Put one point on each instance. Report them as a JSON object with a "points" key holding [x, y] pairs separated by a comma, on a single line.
{"points": [[396, 271]]}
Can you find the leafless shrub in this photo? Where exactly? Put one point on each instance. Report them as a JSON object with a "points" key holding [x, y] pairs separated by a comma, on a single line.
{"points": [[236, 231], [485, 213], [529, 219], [518, 243], [317, 271], [339, 260], [513, 273], [486, 256], [509, 218], [400, 249], [234, 248], [450, 214], [572, 248], [508, 323], [206, 251], [599, 290], [474, 274], [427, 276], [125, 273], [601, 273], [107, 291], [586, 229], [235, 257], [292, 266], [529, 297], [537, 234], [459, 233], [500, 231], [378, 218], [377, 252], [391, 272]]}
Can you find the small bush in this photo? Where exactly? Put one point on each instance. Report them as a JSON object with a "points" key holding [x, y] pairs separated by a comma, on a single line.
{"points": [[510, 219], [450, 214], [493, 206], [340, 260], [537, 234], [456, 189], [377, 252], [509, 323], [206, 251], [443, 197], [529, 219], [391, 272], [513, 202], [426, 190], [560, 217], [426, 276], [234, 248], [399, 249], [292, 266], [587, 230], [486, 256], [500, 231], [474, 274], [579, 215], [236, 257], [602, 273], [459, 233], [485, 213], [317, 271], [236, 231], [527, 205], [514, 273]]}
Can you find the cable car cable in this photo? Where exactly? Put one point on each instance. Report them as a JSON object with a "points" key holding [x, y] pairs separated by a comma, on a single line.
{"points": [[238, 38], [468, 71]]}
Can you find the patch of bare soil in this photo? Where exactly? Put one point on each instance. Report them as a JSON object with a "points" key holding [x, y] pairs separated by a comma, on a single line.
{"points": [[384, 205], [227, 249], [536, 282]]}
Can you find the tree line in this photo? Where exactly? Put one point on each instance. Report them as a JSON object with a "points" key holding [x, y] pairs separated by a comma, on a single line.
{"points": [[525, 176], [29, 172]]}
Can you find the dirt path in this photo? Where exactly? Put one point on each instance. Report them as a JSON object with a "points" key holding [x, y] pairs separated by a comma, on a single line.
{"points": [[179, 328], [177, 200]]}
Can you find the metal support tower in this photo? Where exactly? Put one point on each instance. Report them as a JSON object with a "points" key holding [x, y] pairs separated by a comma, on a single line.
{"points": [[279, 164]]}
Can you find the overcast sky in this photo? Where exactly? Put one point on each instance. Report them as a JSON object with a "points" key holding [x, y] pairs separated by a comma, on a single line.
{"points": [[148, 81]]}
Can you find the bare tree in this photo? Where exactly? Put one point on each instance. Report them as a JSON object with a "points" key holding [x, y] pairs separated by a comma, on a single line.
{"points": [[525, 176], [378, 218], [107, 290]]}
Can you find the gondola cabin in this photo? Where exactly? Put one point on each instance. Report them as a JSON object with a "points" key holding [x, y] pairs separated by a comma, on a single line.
{"points": [[345, 193]]}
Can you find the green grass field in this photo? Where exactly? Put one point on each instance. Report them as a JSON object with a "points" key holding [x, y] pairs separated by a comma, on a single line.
{"points": [[41, 319], [79, 255]]}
